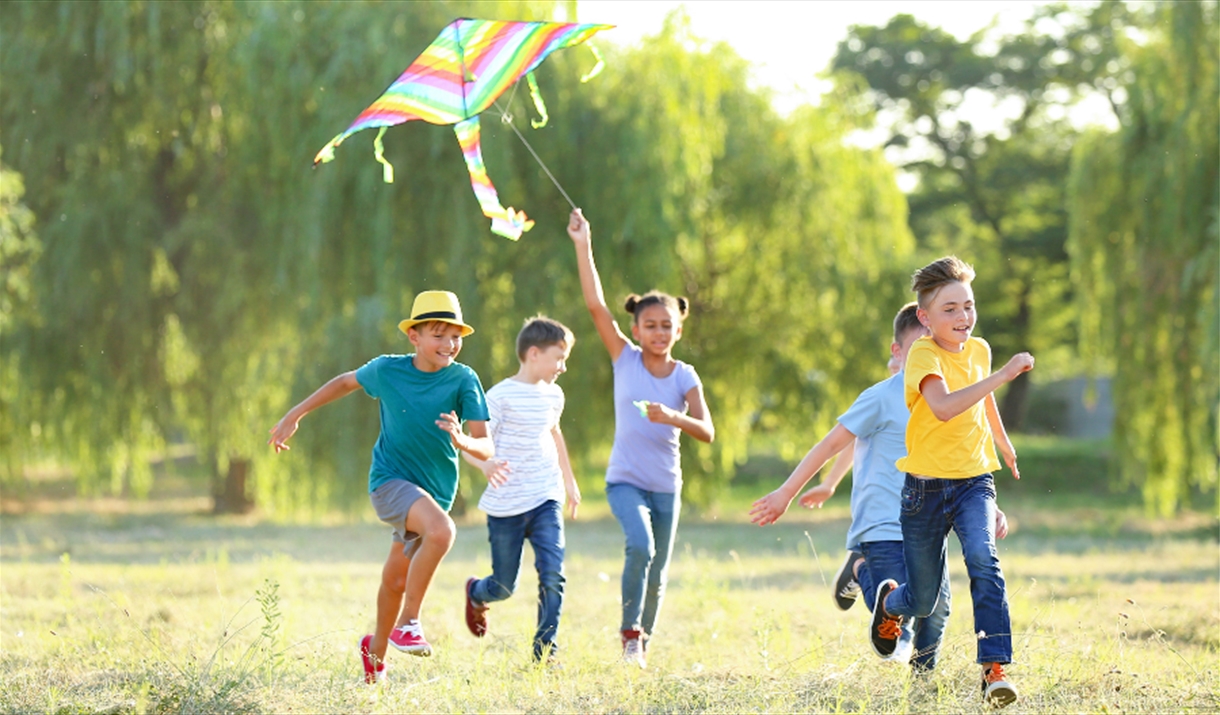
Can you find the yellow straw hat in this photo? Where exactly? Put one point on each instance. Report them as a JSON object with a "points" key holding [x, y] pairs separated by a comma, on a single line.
{"points": [[436, 305]]}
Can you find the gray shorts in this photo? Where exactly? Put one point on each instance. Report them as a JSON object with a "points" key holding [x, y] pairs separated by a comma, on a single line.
{"points": [[391, 502]]}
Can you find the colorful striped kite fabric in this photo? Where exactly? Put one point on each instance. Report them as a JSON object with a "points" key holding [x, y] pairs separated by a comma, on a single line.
{"points": [[462, 73]]}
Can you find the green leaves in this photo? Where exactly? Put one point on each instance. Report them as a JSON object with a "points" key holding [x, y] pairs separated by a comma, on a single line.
{"points": [[1144, 249]]}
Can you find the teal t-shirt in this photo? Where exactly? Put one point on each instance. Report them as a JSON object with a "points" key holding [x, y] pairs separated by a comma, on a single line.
{"points": [[410, 445]]}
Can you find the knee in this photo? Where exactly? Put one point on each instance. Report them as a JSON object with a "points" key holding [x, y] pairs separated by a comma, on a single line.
{"points": [[501, 590], [982, 560], [551, 581], [441, 534], [394, 581], [641, 550], [923, 604]]}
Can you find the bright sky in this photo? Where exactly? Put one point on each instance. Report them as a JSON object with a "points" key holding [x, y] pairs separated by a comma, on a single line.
{"points": [[789, 43]]}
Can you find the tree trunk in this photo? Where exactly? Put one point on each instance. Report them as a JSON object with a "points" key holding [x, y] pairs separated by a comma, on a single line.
{"points": [[230, 493]]}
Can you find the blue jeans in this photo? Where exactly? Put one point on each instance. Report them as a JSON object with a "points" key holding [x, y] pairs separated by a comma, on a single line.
{"points": [[931, 508], [543, 527], [886, 560], [650, 522]]}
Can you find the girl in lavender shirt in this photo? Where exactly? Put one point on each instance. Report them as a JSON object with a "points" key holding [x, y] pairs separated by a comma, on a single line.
{"points": [[655, 398]]}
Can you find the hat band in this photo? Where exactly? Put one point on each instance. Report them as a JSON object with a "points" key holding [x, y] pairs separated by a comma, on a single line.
{"points": [[436, 315]]}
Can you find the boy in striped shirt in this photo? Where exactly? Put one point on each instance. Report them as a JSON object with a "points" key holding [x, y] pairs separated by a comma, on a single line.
{"points": [[527, 480]]}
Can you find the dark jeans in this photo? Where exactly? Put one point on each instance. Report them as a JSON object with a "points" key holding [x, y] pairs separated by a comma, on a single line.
{"points": [[650, 522], [931, 508], [543, 527], [886, 560]]}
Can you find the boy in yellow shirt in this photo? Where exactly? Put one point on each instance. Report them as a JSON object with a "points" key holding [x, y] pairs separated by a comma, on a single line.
{"points": [[951, 451]]}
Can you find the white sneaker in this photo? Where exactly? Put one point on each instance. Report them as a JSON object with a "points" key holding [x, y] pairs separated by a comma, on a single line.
{"points": [[902, 652]]}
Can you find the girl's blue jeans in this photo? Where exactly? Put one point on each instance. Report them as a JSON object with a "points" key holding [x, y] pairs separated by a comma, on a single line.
{"points": [[650, 522], [931, 508], [542, 526], [886, 560]]}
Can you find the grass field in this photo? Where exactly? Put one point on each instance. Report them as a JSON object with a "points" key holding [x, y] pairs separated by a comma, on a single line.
{"points": [[108, 607]]}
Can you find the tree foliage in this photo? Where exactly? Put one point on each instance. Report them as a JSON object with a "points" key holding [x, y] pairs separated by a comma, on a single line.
{"points": [[197, 278], [1145, 254], [995, 195]]}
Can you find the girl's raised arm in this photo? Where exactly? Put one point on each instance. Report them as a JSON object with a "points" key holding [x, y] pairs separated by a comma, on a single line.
{"points": [[591, 286]]}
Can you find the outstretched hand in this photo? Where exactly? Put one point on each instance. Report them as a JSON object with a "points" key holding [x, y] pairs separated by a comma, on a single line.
{"points": [[578, 226], [817, 496], [770, 508], [281, 433]]}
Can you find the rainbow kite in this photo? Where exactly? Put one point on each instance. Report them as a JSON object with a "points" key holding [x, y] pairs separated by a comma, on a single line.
{"points": [[462, 73]]}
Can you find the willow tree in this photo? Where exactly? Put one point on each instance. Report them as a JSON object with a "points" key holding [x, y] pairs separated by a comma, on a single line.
{"points": [[788, 242], [199, 278], [19, 250], [995, 195], [193, 268], [1145, 249]]}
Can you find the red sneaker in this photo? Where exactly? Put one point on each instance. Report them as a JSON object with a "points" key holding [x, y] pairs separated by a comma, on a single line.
{"points": [[476, 613], [373, 672], [409, 638]]}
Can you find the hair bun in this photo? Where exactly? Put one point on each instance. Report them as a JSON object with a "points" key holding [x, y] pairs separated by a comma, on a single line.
{"points": [[632, 301], [683, 306]]}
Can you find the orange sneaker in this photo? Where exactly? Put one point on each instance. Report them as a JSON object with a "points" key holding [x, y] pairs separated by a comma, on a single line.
{"points": [[997, 691], [885, 628]]}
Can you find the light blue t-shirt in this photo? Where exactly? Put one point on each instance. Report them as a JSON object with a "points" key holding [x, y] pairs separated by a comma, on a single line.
{"points": [[645, 454], [878, 419], [410, 445]]}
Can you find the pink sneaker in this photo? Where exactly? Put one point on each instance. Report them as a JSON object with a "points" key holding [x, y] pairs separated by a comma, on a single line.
{"points": [[372, 674], [409, 638]]}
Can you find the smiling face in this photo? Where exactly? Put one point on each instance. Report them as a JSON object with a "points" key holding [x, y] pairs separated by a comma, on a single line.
{"points": [[656, 329], [950, 316], [548, 363], [436, 344]]}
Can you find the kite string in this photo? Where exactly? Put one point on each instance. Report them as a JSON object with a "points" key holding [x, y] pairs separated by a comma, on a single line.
{"points": [[508, 119]]}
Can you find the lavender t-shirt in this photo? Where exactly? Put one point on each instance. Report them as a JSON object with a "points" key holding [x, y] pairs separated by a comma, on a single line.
{"points": [[645, 454]]}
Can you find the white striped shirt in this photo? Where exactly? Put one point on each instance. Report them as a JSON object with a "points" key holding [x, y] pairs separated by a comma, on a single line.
{"points": [[522, 417]]}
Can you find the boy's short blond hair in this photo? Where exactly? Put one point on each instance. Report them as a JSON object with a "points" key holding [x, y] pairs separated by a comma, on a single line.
{"points": [[907, 320], [542, 332], [927, 281]]}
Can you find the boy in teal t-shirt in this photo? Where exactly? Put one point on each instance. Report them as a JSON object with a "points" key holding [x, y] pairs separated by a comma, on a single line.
{"points": [[424, 399]]}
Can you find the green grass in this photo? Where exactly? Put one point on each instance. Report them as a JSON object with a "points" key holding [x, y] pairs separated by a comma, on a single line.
{"points": [[158, 607]]}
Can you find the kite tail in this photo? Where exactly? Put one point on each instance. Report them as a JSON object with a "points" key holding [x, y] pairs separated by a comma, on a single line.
{"points": [[597, 68], [505, 222], [387, 169], [328, 152], [538, 103]]}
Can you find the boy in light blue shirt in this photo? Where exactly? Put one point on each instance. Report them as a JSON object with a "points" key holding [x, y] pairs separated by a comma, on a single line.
{"points": [[877, 422]]}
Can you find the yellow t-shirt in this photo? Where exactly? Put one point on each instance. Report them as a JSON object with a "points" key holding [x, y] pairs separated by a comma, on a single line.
{"points": [[962, 447]]}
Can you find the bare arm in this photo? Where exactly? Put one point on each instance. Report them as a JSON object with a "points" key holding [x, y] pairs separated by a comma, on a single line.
{"points": [[337, 387], [478, 443], [771, 507], [496, 470], [565, 465], [946, 405], [696, 421], [1001, 436], [591, 286], [817, 496]]}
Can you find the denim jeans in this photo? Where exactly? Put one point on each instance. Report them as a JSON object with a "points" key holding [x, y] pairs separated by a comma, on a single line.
{"points": [[931, 508], [543, 527], [649, 521], [886, 560]]}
